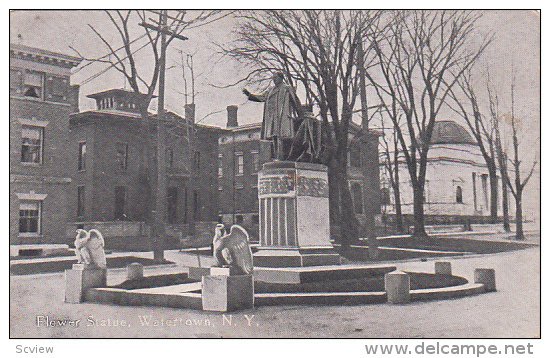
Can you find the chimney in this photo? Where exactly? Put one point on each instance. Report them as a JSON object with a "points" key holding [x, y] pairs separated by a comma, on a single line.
{"points": [[190, 112], [74, 92], [232, 120]]}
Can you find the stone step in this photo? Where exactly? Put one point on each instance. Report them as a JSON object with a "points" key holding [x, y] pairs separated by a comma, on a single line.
{"points": [[184, 287], [318, 273]]}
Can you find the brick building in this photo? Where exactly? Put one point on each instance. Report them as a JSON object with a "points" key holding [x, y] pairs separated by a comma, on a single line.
{"points": [[111, 178], [242, 153], [41, 99]]}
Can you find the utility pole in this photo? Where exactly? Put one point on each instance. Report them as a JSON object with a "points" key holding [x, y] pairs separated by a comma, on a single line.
{"points": [[158, 207], [363, 87], [190, 129]]}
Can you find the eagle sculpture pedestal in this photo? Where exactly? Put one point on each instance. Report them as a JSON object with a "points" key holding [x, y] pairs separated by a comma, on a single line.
{"points": [[226, 293], [80, 278], [294, 216]]}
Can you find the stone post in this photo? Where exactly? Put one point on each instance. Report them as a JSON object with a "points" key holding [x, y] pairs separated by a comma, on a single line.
{"points": [[134, 271], [80, 278], [225, 293], [487, 277], [373, 248], [398, 286], [443, 268]]}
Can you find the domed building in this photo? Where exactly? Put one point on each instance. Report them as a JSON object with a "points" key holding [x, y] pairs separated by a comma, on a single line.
{"points": [[457, 185]]}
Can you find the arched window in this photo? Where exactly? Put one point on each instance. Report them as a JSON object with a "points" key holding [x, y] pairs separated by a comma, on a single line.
{"points": [[459, 194]]}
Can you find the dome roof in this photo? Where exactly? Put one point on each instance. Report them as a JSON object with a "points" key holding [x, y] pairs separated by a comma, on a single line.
{"points": [[449, 132]]}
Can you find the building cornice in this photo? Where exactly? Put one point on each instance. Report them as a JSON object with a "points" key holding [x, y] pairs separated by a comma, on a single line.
{"points": [[43, 56]]}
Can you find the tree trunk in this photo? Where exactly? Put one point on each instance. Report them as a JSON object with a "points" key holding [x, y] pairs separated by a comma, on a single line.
{"points": [[418, 207], [347, 221], [398, 212], [519, 216], [505, 209], [493, 183], [397, 197]]}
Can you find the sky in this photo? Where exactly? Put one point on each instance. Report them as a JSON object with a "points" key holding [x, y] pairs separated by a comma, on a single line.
{"points": [[516, 45]]}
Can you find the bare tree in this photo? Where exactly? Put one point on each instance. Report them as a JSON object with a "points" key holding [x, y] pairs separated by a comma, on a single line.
{"points": [[482, 130], [318, 52], [165, 28], [500, 153], [519, 185], [391, 166], [420, 59]]}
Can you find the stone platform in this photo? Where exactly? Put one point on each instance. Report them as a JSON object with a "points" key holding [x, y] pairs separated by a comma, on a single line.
{"points": [[318, 273]]}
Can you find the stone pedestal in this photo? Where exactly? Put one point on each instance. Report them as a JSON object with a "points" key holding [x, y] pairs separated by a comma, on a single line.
{"points": [[486, 276], [373, 251], [134, 271], [443, 268], [294, 216], [398, 286], [224, 293], [80, 278], [198, 272]]}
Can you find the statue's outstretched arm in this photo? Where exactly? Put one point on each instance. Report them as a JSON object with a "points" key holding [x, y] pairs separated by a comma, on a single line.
{"points": [[261, 97]]}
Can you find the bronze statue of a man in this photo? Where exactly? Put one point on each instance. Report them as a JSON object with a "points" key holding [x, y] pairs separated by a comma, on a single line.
{"points": [[281, 110]]}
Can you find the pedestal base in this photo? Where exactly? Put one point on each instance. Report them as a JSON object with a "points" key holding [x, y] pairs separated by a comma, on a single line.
{"points": [[80, 278], [295, 257], [227, 293]]}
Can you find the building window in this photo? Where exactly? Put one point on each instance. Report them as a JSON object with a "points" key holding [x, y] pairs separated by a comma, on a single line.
{"points": [[357, 198], [81, 201], [172, 205], [30, 217], [32, 144], [33, 85], [459, 194], [122, 155], [255, 161], [197, 160], [220, 165], [240, 163], [56, 88], [82, 156], [239, 219], [355, 156], [120, 203], [255, 219], [16, 81], [169, 158], [239, 186]]}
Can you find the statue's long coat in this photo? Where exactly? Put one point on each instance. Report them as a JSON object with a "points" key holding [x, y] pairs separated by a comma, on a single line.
{"points": [[279, 111]]}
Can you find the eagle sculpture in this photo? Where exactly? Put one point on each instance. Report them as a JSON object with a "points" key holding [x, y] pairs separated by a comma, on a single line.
{"points": [[232, 250], [90, 248]]}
